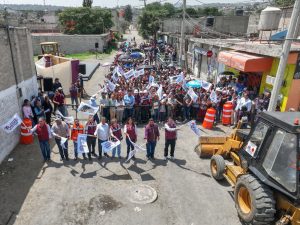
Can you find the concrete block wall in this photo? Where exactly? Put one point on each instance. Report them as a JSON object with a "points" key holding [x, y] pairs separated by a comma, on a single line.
{"points": [[69, 44], [231, 24], [10, 98]]}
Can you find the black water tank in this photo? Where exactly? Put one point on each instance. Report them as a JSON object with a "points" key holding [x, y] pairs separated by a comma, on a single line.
{"points": [[210, 21], [239, 12]]}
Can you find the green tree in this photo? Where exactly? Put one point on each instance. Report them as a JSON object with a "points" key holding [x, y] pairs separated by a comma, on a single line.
{"points": [[284, 2], [192, 12], [128, 13], [87, 3], [170, 9], [85, 20]]}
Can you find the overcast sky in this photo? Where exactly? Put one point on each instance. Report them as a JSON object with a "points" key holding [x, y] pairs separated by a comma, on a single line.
{"points": [[109, 3]]}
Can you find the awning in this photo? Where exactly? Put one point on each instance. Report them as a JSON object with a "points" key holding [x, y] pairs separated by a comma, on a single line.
{"points": [[245, 62]]}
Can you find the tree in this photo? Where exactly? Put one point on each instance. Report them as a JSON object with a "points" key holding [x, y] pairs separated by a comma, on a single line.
{"points": [[284, 2], [87, 3], [128, 13], [85, 20]]}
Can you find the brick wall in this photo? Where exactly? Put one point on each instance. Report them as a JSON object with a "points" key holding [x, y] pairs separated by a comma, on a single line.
{"points": [[69, 44], [10, 98]]}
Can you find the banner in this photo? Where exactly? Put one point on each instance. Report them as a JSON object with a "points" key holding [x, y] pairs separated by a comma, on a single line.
{"points": [[12, 124], [192, 124], [109, 145], [205, 85], [111, 86], [115, 77], [87, 109], [184, 85], [159, 92], [192, 94], [139, 73], [129, 74], [136, 149], [120, 70], [82, 144], [151, 79], [179, 78]]}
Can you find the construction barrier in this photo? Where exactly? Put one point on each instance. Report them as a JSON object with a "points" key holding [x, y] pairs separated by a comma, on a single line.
{"points": [[226, 114], [26, 136], [209, 118]]}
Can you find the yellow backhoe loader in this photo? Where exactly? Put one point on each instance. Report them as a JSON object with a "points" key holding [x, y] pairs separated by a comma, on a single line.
{"points": [[263, 170]]}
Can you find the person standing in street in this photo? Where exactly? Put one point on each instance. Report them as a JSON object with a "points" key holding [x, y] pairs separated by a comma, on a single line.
{"points": [[74, 95], [48, 109], [152, 136], [61, 130], [102, 133], [116, 135], [44, 135], [59, 101], [170, 137], [77, 128], [129, 103], [131, 135], [90, 128]]}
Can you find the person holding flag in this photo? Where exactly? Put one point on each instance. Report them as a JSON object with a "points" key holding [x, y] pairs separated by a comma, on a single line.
{"points": [[43, 132], [116, 135], [170, 137], [90, 128], [131, 135], [102, 133], [76, 129], [60, 131]]}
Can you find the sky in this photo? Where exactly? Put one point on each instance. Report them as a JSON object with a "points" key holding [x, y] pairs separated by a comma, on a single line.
{"points": [[111, 3]]}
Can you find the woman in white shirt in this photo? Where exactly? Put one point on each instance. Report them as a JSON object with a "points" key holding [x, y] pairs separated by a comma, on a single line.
{"points": [[120, 109]]}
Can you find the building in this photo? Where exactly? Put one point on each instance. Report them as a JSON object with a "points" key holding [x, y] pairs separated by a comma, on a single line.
{"points": [[18, 80]]}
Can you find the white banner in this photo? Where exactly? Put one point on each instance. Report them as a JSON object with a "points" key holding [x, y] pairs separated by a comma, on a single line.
{"points": [[213, 97], [82, 144], [109, 145], [120, 70], [115, 77], [12, 124], [151, 79], [63, 142], [87, 109], [136, 149], [179, 78], [159, 92], [129, 74], [205, 85], [192, 94], [111, 86], [192, 124], [139, 73]]}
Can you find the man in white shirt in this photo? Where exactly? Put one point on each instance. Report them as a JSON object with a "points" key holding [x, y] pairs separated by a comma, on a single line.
{"points": [[102, 133], [243, 106]]}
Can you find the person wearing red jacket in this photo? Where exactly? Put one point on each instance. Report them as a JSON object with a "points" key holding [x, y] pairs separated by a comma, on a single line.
{"points": [[170, 137], [116, 135], [152, 136], [131, 135], [77, 128]]}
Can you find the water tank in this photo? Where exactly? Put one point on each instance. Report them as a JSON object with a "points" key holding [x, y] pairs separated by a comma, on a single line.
{"points": [[239, 12], [269, 19], [210, 21]]}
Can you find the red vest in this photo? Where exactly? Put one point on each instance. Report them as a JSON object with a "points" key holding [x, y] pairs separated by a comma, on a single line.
{"points": [[170, 135], [131, 132], [42, 133], [117, 132]]}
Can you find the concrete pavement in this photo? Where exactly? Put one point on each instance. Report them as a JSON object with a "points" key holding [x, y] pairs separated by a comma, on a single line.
{"points": [[90, 193]]}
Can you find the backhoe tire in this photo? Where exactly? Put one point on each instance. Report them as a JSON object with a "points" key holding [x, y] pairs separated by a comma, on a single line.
{"points": [[217, 167], [254, 201]]}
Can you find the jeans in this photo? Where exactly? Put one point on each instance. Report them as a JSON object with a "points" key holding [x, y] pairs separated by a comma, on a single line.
{"points": [[172, 143], [130, 146], [128, 113], [91, 143], [155, 114], [74, 99], [118, 150], [45, 149], [105, 113], [137, 114], [187, 112], [100, 147], [150, 146], [62, 151], [162, 116], [75, 149]]}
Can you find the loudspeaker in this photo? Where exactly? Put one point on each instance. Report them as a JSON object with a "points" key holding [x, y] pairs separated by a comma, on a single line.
{"points": [[48, 84], [82, 68], [96, 45]]}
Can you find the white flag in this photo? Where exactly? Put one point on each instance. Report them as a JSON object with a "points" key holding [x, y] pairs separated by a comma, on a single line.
{"points": [[139, 73], [109, 145], [195, 129], [136, 149], [63, 142], [151, 79], [120, 70], [192, 94], [87, 109], [82, 144], [184, 85], [129, 74], [213, 97], [159, 92], [205, 85], [111, 86], [12, 124], [179, 78]]}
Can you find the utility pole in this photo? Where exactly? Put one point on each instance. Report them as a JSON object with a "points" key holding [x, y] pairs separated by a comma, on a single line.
{"points": [[284, 56], [145, 3], [182, 36]]}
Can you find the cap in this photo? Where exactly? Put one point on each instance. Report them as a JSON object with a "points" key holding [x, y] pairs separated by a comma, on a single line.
{"points": [[136, 91]]}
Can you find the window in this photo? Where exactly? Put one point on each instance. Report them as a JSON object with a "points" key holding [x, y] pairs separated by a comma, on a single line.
{"points": [[280, 161]]}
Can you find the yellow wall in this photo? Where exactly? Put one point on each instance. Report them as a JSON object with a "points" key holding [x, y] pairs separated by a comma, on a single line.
{"points": [[288, 78]]}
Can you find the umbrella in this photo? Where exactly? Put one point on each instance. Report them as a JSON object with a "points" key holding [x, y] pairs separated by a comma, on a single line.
{"points": [[136, 55], [136, 50], [122, 57], [194, 84]]}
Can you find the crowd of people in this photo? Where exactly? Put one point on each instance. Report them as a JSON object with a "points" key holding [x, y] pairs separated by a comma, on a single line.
{"points": [[151, 98]]}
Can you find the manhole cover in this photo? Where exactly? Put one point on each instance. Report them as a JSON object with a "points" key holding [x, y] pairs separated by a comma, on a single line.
{"points": [[142, 194]]}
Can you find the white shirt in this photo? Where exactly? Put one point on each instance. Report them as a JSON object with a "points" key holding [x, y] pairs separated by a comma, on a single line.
{"points": [[244, 102], [102, 131]]}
